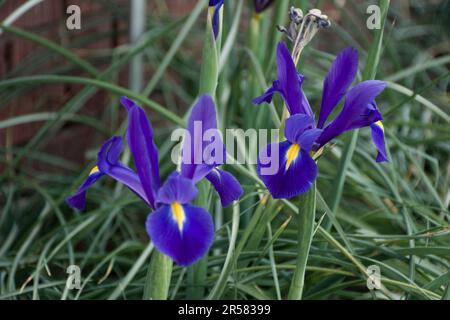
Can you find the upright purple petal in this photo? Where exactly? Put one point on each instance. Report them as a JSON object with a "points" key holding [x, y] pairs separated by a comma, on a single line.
{"points": [[290, 82], [293, 174], [360, 110], [288, 85], [296, 125], [183, 232], [339, 78], [127, 103], [379, 141], [145, 153], [177, 189], [226, 185], [78, 199], [202, 119]]}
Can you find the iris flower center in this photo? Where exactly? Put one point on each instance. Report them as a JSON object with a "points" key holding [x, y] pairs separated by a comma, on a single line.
{"points": [[292, 154], [178, 214]]}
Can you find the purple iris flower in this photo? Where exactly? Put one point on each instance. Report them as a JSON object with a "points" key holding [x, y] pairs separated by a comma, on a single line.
{"points": [[178, 229], [261, 5], [296, 168], [215, 5]]}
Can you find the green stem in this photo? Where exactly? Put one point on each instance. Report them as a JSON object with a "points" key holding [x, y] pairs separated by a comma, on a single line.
{"points": [[307, 209], [157, 282]]}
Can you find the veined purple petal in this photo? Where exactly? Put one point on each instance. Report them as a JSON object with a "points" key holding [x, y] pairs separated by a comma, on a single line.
{"points": [[183, 232], [201, 120], [145, 153], [339, 78], [226, 185], [360, 110], [108, 163], [177, 189], [379, 141], [78, 199], [295, 173]]}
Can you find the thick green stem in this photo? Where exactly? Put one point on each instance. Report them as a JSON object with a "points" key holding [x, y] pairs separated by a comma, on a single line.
{"points": [[159, 272], [307, 208]]}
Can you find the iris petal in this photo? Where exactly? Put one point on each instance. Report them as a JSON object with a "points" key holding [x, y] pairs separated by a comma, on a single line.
{"points": [[184, 246], [287, 180], [360, 110], [78, 199], [379, 141], [177, 189], [300, 130], [201, 120], [339, 78], [145, 153], [226, 185]]}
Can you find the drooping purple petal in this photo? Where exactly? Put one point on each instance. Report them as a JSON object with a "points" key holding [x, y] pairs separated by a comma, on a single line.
{"points": [[339, 78], [145, 153], [226, 185], [183, 232], [379, 141], [290, 82], [290, 173], [288, 85], [108, 163], [78, 199], [217, 4], [177, 189], [360, 110], [201, 120]]}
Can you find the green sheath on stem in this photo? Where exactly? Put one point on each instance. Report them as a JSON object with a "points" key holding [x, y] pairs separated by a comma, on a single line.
{"points": [[159, 272], [307, 208]]}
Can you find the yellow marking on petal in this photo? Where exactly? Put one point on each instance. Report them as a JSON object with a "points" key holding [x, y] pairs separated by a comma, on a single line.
{"points": [[94, 170], [380, 124], [178, 214], [292, 154]]}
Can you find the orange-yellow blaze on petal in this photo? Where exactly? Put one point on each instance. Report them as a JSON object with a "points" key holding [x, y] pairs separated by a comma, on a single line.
{"points": [[292, 154], [94, 170], [178, 214], [380, 124]]}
